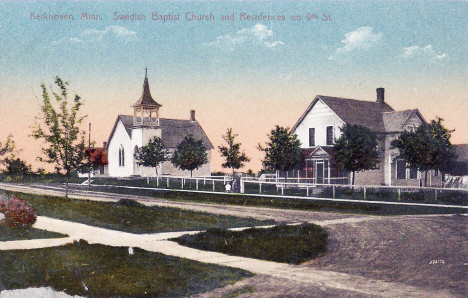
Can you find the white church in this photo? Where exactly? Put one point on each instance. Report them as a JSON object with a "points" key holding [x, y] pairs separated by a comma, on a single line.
{"points": [[132, 132]]}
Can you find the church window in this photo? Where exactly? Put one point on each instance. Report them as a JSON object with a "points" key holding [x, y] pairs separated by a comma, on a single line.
{"points": [[121, 157]]}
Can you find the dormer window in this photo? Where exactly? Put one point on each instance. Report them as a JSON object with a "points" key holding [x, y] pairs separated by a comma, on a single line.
{"points": [[410, 128]]}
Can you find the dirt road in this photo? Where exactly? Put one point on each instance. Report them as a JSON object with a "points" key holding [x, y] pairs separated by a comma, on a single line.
{"points": [[428, 252]]}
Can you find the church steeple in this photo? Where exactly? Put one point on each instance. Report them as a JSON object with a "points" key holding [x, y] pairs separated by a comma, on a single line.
{"points": [[146, 106]]}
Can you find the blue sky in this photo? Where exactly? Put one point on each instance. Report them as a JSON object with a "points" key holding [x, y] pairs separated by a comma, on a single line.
{"points": [[231, 71]]}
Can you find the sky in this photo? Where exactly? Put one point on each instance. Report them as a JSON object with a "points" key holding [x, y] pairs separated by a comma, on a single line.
{"points": [[236, 70]]}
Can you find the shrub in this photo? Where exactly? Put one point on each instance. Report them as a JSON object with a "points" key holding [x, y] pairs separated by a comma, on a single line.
{"points": [[129, 203], [18, 213]]}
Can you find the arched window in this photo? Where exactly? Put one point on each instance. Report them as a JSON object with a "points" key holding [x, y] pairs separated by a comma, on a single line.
{"points": [[121, 156]]}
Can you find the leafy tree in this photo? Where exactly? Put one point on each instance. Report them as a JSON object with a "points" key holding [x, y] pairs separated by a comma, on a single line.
{"points": [[60, 131], [356, 149], [8, 147], [234, 158], [190, 154], [427, 148], [152, 154], [16, 167], [282, 151]]}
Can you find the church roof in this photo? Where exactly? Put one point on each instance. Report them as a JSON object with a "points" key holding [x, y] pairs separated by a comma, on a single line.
{"points": [[146, 100], [173, 130]]}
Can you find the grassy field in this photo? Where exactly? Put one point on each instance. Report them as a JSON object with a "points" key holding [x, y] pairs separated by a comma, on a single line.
{"points": [[132, 217], [16, 233], [286, 244], [103, 271]]}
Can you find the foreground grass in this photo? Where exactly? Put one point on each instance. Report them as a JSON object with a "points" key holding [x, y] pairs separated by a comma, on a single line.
{"points": [[285, 244], [104, 271], [132, 217], [16, 233]]}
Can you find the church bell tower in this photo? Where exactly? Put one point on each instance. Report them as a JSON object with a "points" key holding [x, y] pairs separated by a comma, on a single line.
{"points": [[146, 109]]}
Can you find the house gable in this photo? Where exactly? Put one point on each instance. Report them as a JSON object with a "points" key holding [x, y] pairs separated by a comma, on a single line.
{"points": [[398, 121], [318, 116]]}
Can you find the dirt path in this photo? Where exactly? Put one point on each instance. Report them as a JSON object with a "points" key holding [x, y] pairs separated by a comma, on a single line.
{"points": [[336, 281]]}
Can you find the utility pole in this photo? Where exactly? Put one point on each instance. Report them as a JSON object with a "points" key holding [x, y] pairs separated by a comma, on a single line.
{"points": [[89, 157]]}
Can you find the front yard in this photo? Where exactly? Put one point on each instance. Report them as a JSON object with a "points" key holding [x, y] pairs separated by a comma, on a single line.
{"points": [[104, 271]]}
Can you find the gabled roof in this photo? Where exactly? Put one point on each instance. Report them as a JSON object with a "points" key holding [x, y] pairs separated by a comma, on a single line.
{"points": [[146, 100], [353, 111], [173, 130], [396, 121], [319, 150]]}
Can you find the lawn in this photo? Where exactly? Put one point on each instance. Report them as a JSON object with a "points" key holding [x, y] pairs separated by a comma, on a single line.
{"points": [[104, 271], [285, 244], [132, 217], [16, 233]]}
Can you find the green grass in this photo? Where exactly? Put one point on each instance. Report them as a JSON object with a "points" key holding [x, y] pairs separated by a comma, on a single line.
{"points": [[18, 233], [133, 219], [285, 244], [111, 272]]}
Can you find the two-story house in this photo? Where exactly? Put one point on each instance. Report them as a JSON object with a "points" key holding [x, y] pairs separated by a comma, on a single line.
{"points": [[319, 127]]}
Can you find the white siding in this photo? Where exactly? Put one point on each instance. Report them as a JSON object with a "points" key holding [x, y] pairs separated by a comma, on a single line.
{"points": [[120, 138], [319, 117]]}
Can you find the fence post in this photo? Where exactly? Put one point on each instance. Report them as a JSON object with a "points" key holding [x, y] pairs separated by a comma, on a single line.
{"points": [[334, 191], [182, 183], [399, 194], [242, 190], [157, 181], [435, 195], [213, 185], [364, 192], [196, 183], [167, 182], [282, 189], [260, 188], [307, 189], [204, 180], [147, 179]]}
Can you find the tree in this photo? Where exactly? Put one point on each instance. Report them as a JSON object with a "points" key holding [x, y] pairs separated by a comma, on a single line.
{"points": [[282, 152], [427, 148], [152, 154], [8, 147], [60, 131], [16, 167], [356, 149], [234, 158], [190, 154]]}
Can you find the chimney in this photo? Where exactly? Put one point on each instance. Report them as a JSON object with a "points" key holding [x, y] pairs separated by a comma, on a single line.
{"points": [[192, 115], [380, 95], [104, 144]]}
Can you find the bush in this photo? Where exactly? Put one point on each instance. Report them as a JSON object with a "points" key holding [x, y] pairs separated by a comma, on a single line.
{"points": [[18, 213], [129, 203]]}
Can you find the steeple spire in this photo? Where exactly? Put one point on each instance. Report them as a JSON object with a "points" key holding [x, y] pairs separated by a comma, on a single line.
{"points": [[146, 105]]}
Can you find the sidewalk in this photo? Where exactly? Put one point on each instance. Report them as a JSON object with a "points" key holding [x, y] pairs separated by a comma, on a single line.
{"points": [[159, 243]]}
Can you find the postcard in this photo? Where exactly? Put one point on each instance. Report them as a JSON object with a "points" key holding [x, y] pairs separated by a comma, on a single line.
{"points": [[169, 69]]}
